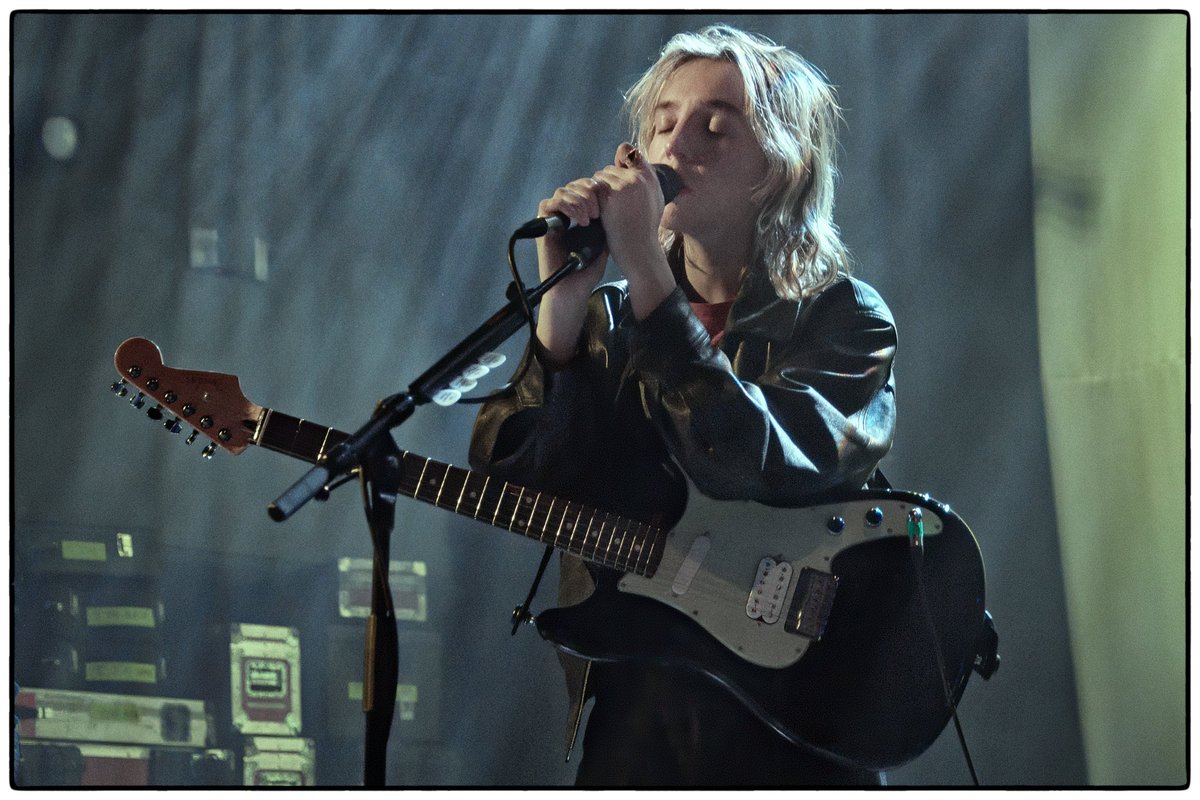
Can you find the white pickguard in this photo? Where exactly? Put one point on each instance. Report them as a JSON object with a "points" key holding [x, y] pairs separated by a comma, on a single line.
{"points": [[740, 535]]}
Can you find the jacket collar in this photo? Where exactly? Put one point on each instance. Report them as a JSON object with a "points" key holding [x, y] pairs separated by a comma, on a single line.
{"points": [[758, 311]]}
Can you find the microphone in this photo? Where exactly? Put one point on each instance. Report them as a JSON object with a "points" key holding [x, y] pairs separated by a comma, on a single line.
{"points": [[591, 236]]}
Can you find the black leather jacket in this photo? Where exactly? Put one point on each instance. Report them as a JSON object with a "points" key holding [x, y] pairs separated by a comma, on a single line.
{"points": [[798, 399]]}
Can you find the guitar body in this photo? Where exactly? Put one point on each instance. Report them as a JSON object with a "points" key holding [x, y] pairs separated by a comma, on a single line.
{"points": [[868, 691]]}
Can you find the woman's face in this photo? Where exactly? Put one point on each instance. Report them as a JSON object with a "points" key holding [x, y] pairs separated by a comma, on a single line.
{"points": [[701, 130]]}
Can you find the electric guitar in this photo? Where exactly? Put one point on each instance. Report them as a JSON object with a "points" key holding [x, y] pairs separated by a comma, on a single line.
{"points": [[849, 626]]}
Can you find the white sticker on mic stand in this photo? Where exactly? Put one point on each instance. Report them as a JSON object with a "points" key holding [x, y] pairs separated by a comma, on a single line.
{"points": [[492, 360], [475, 372], [462, 384], [447, 397]]}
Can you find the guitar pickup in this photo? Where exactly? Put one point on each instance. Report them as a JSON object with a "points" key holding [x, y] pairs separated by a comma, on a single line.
{"points": [[812, 603]]}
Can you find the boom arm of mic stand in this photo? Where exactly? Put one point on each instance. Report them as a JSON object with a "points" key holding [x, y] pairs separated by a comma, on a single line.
{"points": [[394, 410]]}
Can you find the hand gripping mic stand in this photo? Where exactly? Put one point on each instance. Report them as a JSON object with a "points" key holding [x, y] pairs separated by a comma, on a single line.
{"points": [[372, 452]]}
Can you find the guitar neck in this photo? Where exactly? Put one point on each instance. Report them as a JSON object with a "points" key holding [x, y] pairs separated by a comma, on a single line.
{"points": [[596, 536]]}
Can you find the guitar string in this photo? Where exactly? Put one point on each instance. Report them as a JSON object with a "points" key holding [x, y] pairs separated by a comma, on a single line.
{"points": [[586, 546]]}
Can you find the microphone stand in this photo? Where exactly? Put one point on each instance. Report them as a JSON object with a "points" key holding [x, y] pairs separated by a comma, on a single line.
{"points": [[372, 452]]}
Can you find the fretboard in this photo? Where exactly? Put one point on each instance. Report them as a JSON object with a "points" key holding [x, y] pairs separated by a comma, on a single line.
{"points": [[597, 536]]}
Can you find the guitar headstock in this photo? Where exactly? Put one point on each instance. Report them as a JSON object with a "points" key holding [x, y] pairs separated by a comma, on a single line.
{"points": [[211, 402]]}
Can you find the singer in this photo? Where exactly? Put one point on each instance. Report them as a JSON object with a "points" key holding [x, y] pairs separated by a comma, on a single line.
{"points": [[737, 349]]}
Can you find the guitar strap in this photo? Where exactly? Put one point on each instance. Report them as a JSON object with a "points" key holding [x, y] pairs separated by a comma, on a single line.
{"points": [[521, 613], [878, 481]]}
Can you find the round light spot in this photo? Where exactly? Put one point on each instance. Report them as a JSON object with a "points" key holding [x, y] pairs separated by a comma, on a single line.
{"points": [[60, 137]]}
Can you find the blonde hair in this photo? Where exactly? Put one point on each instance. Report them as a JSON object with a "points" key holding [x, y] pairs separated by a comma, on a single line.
{"points": [[794, 114]]}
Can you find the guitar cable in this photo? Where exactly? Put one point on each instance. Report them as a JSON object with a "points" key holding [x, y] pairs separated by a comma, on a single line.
{"points": [[516, 291], [916, 540]]}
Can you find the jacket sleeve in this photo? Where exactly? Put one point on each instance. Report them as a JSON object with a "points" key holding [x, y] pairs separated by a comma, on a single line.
{"points": [[821, 414], [537, 431]]}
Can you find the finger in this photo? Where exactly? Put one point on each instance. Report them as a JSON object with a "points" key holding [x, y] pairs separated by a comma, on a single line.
{"points": [[627, 156], [587, 192], [577, 200]]}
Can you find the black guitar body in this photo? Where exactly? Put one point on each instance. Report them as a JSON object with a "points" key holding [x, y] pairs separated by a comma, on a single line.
{"points": [[869, 692]]}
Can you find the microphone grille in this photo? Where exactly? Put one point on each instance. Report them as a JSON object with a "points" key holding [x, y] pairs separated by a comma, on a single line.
{"points": [[669, 181]]}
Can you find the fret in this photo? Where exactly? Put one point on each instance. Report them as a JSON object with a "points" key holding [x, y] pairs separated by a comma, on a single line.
{"points": [[603, 525], [486, 479], [532, 514], [516, 508], [421, 480], [636, 552], [524, 524], [648, 547], [408, 484], [562, 518], [496, 513], [309, 439], [550, 511], [653, 559], [620, 559], [649, 551], [591, 520], [509, 505], [598, 554], [574, 526], [587, 541], [437, 500], [466, 480], [324, 441], [261, 426], [608, 549]]}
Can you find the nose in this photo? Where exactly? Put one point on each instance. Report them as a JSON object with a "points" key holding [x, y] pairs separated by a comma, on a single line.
{"points": [[685, 142]]}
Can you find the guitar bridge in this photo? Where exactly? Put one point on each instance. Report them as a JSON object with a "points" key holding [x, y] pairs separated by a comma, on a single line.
{"points": [[812, 603]]}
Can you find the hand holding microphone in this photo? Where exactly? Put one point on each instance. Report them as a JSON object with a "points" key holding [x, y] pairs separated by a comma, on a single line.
{"points": [[629, 195], [576, 208]]}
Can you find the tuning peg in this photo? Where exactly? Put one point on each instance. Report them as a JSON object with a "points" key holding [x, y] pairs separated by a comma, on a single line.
{"points": [[172, 425], [119, 388], [156, 412], [192, 437], [208, 451], [138, 400]]}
